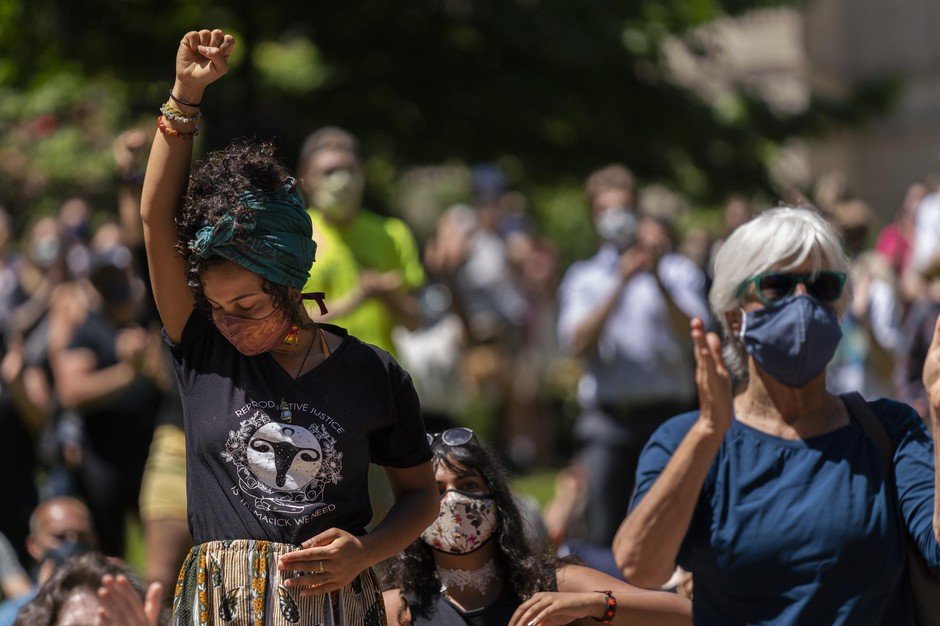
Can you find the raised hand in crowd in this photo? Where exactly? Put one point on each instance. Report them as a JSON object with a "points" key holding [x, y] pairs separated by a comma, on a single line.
{"points": [[202, 59], [127, 148], [142, 349], [931, 379], [712, 380], [121, 604], [379, 284]]}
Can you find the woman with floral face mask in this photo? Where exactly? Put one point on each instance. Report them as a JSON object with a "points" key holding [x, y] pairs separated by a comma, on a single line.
{"points": [[474, 565], [282, 415], [789, 505]]}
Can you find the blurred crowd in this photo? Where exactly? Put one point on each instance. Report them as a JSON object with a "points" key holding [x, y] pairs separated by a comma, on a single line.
{"points": [[482, 315]]}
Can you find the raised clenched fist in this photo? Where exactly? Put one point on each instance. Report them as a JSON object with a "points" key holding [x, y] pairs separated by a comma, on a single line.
{"points": [[202, 58]]}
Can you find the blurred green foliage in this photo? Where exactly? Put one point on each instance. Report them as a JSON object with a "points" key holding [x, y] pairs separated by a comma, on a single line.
{"points": [[553, 88]]}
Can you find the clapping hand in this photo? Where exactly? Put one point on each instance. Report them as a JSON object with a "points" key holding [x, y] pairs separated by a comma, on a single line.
{"points": [[712, 379], [121, 605], [931, 376]]}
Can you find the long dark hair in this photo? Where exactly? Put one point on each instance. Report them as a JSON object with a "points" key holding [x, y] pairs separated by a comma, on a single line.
{"points": [[523, 567]]}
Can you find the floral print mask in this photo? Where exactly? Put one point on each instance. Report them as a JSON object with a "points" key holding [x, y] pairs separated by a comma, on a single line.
{"points": [[465, 523]]}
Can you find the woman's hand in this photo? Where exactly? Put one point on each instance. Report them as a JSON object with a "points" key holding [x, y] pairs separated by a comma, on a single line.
{"points": [[331, 561], [121, 605], [554, 608], [931, 375], [712, 379], [202, 59]]}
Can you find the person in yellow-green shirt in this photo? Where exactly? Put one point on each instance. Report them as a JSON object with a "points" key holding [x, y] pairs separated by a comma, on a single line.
{"points": [[367, 264]]}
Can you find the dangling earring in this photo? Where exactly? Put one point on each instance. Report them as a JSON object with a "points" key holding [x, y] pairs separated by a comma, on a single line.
{"points": [[291, 338]]}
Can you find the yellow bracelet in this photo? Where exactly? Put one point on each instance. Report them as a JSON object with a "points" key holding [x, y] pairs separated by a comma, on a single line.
{"points": [[173, 114]]}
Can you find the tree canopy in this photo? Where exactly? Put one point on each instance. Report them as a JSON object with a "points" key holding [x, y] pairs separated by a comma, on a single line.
{"points": [[548, 88]]}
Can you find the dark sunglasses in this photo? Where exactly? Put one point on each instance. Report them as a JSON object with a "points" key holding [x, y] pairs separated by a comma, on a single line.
{"points": [[459, 436], [825, 286]]}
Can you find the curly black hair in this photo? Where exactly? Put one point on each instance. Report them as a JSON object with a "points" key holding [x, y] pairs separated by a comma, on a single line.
{"points": [[76, 574], [214, 188], [526, 569]]}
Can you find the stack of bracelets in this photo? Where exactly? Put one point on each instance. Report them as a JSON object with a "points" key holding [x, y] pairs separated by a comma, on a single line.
{"points": [[172, 114], [611, 609]]}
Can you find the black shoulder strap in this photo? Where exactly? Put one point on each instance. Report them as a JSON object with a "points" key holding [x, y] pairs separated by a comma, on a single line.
{"points": [[870, 425]]}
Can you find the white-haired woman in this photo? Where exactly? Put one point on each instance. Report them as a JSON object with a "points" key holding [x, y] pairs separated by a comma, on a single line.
{"points": [[776, 499]]}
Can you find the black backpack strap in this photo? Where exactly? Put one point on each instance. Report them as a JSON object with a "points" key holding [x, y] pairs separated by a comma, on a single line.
{"points": [[870, 425]]}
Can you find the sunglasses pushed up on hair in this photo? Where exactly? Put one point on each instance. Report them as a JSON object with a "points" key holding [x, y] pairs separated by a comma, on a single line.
{"points": [[824, 286], [452, 437]]}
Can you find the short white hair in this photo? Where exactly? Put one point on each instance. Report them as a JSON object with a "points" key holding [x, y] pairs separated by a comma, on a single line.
{"points": [[780, 238]]}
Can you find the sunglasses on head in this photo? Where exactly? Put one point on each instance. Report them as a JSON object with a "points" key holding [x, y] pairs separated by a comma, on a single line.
{"points": [[825, 286], [453, 436]]}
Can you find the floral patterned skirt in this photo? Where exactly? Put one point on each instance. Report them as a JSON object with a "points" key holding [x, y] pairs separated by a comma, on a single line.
{"points": [[237, 582]]}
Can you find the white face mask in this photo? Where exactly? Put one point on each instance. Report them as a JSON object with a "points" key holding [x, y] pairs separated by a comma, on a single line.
{"points": [[465, 523], [617, 225], [338, 195]]}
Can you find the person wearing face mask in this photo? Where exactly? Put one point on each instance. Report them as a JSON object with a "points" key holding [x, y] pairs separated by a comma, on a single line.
{"points": [[475, 566], [788, 504], [60, 528], [369, 264], [625, 312], [282, 416], [113, 376]]}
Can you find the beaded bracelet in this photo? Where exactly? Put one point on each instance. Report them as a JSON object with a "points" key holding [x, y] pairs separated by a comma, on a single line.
{"points": [[173, 114], [183, 102], [611, 609], [172, 132]]}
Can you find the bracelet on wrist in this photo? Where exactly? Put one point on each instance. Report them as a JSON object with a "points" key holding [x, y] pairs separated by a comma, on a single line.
{"points": [[172, 132], [173, 114], [183, 102], [610, 611]]}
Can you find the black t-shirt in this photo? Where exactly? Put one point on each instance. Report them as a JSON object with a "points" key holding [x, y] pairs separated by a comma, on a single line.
{"points": [[273, 457], [18, 464], [121, 427]]}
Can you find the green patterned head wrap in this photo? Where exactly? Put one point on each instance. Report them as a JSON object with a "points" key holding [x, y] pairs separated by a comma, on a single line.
{"points": [[277, 244]]}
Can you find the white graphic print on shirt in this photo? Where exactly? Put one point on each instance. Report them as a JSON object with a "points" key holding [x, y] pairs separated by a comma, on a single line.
{"points": [[283, 468]]}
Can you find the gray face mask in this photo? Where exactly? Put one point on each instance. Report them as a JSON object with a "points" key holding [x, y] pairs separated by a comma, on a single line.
{"points": [[617, 226]]}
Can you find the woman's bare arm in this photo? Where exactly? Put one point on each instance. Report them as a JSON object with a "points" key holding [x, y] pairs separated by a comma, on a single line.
{"points": [[582, 599], [201, 59], [647, 543]]}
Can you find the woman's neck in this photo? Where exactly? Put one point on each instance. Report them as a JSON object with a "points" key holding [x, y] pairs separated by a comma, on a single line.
{"points": [[469, 598], [474, 560], [788, 412]]}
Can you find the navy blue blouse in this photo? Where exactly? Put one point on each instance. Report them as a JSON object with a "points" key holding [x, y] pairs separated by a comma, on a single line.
{"points": [[807, 531]]}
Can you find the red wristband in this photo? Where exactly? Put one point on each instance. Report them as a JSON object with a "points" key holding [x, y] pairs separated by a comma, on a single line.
{"points": [[172, 132], [611, 609]]}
